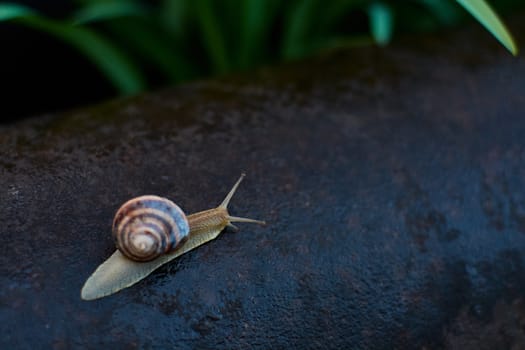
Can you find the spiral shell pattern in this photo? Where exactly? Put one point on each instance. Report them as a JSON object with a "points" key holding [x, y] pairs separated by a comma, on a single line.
{"points": [[148, 226]]}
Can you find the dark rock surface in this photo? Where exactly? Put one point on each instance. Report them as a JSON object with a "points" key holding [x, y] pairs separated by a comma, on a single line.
{"points": [[393, 181]]}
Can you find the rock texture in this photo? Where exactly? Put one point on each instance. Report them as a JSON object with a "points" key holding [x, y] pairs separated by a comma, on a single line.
{"points": [[393, 182]]}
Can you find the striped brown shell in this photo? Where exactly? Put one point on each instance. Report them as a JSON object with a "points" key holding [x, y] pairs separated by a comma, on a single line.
{"points": [[146, 227]]}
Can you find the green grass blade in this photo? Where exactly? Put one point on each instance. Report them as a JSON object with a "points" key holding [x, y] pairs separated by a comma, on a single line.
{"points": [[381, 22], [100, 11], [113, 63], [490, 20]]}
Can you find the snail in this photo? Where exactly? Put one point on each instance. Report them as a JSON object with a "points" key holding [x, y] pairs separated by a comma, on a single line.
{"points": [[150, 231]]}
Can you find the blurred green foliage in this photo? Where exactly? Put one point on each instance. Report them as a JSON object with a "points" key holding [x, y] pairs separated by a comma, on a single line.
{"points": [[184, 39]]}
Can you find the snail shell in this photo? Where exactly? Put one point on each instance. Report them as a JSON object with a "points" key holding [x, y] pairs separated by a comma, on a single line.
{"points": [[147, 227]]}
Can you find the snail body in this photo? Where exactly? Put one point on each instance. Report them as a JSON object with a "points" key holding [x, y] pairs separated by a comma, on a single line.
{"points": [[150, 231]]}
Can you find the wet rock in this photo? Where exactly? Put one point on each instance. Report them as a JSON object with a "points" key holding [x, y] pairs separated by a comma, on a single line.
{"points": [[393, 182]]}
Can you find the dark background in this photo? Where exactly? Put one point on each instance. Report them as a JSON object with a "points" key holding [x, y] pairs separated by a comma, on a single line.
{"points": [[43, 74]]}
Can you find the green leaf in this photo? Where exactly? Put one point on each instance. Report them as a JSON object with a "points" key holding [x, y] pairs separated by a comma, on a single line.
{"points": [[174, 16], [146, 41], [212, 35], [256, 21], [10, 11], [113, 63], [337, 42], [334, 11], [490, 20], [446, 12], [299, 19], [381, 22], [100, 11]]}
